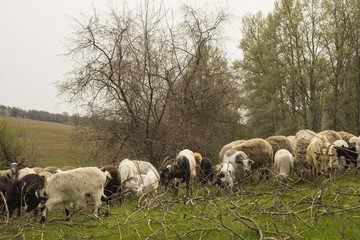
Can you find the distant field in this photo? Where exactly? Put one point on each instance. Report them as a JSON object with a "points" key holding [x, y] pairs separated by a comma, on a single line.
{"points": [[51, 143]]}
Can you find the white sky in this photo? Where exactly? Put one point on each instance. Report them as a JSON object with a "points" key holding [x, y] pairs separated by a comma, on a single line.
{"points": [[31, 42]]}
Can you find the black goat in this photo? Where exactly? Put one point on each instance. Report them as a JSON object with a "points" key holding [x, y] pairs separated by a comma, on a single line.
{"points": [[23, 193], [350, 154]]}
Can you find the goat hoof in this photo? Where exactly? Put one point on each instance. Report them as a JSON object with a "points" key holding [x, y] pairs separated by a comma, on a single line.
{"points": [[42, 220]]}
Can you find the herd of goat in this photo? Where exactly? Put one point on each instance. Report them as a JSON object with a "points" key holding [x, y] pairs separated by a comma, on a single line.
{"points": [[308, 154]]}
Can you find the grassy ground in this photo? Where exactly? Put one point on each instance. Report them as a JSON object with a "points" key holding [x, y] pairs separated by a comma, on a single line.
{"points": [[268, 210], [51, 143]]}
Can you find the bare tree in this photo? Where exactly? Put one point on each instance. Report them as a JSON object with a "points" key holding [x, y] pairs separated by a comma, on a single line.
{"points": [[127, 68]]}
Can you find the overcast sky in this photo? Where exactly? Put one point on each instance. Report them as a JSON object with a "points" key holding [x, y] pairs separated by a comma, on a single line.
{"points": [[31, 43]]}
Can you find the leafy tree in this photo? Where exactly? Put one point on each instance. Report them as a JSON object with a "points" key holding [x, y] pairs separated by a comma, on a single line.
{"points": [[12, 144]]}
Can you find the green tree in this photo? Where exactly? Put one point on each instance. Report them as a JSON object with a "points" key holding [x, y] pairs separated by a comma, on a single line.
{"points": [[12, 144]]}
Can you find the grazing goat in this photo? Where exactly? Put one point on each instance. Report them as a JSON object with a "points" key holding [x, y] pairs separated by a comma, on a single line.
{"points": [[5, 183], [283, 163], [182, 169], [226, 177], [73, 186], [198, 159], [24, 192], [144, 167], [318, 157], [127, 169], [206, 171], [113, 186], [337, 162], [240, 162], [349, 153], [14, 171]]}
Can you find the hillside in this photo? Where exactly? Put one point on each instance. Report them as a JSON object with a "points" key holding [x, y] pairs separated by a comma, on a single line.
{"points": [[51, 143]]}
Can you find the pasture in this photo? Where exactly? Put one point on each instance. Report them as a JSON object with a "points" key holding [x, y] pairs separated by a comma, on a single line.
{"points": [[264, 210], [51, 143]]}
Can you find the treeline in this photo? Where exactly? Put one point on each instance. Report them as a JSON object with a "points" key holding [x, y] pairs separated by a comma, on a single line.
{"points": [[301, 67], [63, 118]]}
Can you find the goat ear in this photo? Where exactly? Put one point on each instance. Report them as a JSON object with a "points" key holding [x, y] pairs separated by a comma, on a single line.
{"points": [[251, 161]]}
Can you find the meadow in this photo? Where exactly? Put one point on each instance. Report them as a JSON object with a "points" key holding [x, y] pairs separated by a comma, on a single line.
{"points": [[50, 143], [262, 210], [265, 209]]}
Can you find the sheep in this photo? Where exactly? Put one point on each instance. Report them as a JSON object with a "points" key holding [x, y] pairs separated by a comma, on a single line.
{"points": [[51, 169], [292, 142], [66, 168], [318, 157], [260, 151], [279, 142], [37, 170], [6, 172], [301, 165], [73, 186], [227, 147], [226, 176], [25, 171], [346, 137], [46, 175], [331, 135], [284, 163]]}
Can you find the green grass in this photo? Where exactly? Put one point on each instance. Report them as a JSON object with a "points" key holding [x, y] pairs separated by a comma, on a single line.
{"points": [[299, 210], [296, 211], [51, 143]]}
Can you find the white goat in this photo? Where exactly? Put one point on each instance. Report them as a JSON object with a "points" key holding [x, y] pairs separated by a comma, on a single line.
{"points": [[240, 162], [226, 176], [127, 169], [72, 187]]}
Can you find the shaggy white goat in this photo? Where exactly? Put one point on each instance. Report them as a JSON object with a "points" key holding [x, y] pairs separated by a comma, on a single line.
{"points": [[72, 187]]}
